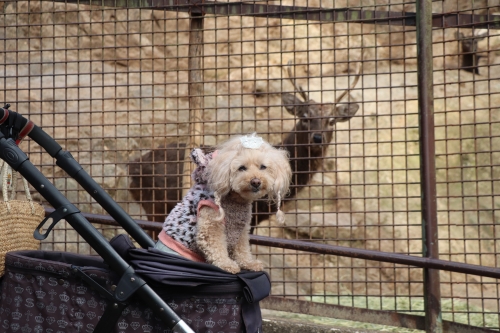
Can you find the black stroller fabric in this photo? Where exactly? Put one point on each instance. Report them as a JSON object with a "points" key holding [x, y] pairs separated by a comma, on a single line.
{"points": [[160, 269], [41, 292]]}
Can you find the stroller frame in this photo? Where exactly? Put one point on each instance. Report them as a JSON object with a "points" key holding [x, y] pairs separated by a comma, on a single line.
{"points": [[13, 128]]}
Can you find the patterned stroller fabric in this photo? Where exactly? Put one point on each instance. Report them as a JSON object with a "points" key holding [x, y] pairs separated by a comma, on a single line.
{"points": [[41, 293]]}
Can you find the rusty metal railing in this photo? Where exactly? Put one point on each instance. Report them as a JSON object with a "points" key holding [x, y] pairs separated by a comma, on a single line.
{"points": [[313, 247], [242, 8]]}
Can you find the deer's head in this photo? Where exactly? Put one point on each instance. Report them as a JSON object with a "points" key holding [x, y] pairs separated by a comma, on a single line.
{"points": [[317, 121], [470, 57]]}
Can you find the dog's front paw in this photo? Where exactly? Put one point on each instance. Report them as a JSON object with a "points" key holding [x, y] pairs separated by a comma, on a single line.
{"points": [[229, 266], [253, 265]]}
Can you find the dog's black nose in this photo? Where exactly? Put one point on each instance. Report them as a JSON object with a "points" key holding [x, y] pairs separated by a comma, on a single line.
{"points": [[317, 138], [255, 183]]}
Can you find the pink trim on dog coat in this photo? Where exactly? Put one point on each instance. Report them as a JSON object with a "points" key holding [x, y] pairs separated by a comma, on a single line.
{"points": [[179, 248], [207, 203]]}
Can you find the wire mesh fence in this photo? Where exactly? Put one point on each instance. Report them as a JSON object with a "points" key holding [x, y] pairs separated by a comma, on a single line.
{"points": [[112, 84]]}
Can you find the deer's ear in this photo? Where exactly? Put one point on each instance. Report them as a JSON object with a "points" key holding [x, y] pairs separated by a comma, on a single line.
{"points": [[292, 104], [343, 112], [347, 110]]}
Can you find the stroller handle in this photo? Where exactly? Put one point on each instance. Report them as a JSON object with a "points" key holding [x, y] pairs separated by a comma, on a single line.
{"points": [[18, 160], [15, 126]]}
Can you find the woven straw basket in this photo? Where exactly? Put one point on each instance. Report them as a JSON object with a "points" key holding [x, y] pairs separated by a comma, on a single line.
{"points": [[18, 218]]}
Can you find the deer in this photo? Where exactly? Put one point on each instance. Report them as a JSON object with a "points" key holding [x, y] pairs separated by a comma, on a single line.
{"points": [[469, 56], [156, 177]]}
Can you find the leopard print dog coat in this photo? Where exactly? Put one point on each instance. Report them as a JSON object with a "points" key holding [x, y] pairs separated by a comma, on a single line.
{"points": [[181, 223]]}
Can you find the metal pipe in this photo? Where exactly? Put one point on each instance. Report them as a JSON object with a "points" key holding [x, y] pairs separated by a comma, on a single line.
{"points": [[66, 162], [19, 161], [196, 92], [319, 14], [430, 248], [335, 250]]}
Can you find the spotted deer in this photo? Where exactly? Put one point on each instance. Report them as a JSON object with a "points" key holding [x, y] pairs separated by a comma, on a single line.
{"points": [[157, 175]]}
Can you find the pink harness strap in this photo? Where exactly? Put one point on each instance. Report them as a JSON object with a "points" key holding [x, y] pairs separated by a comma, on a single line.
{"points": [[179, 248], [208, 203]]}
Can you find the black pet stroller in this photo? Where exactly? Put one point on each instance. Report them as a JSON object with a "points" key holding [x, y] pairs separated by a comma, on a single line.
{"points": [[124, 289]]}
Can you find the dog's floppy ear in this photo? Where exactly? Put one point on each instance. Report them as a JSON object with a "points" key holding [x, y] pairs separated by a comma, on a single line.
{"points": [[282, 173], [219, 172]]}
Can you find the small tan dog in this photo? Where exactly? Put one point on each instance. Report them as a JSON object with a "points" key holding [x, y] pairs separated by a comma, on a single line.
{"points": [[212, 222]]}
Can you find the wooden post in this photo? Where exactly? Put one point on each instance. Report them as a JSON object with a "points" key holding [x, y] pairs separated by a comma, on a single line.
{"points": [[195, 88]]}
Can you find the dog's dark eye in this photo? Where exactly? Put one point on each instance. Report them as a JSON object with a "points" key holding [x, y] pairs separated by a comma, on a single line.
{"points": [[242, 168], [263, 167]]}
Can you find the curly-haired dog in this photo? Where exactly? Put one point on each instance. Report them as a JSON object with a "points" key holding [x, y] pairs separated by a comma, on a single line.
{"points": [[212, 222]]}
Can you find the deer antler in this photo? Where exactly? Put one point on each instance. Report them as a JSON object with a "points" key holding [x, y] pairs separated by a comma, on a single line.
{"points": [[292, 103], [291, 77], [346, 111], [353, 84]]}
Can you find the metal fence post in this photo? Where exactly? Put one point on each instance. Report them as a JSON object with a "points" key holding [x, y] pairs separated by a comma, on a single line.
{"points": [[432, 293], [196, 23]]}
